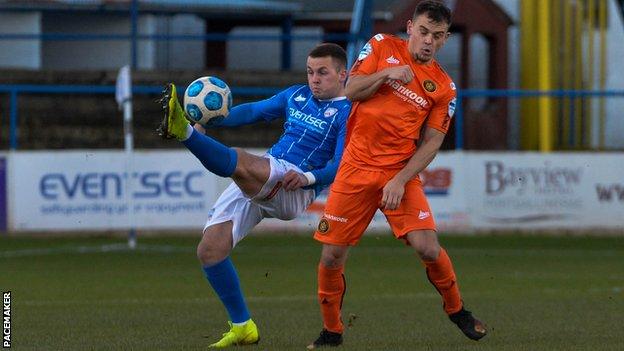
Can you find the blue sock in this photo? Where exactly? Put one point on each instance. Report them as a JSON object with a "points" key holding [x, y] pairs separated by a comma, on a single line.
{"points": [[216, 157], [224, 280]]}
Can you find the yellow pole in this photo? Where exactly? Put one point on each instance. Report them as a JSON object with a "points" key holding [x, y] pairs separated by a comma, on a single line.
{"points": [[556, 70], [591, 7], [602, 24], [578, 74], [528, 38], [567, 69], [544, 76]]}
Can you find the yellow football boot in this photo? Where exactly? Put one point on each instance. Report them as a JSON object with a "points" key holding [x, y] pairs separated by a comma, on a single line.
{"points": [[174, 122], [245, 334]]}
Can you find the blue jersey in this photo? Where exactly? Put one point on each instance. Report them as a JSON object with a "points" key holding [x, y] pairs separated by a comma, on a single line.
{"points": [[314, 130]]}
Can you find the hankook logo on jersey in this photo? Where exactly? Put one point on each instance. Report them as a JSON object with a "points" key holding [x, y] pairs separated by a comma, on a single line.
{"points": [[429, 86], [306, 118], [408, 93]]}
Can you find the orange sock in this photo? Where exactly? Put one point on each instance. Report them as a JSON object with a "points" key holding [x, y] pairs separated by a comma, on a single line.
{"points": [[331, 289], [441, 274]]}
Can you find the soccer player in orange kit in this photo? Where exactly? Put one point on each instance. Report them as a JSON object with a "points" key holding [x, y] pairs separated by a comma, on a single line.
{"points": [[403, 104]]}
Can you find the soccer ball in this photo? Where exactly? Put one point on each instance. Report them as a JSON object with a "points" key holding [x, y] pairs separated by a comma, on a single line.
{"points": [[207, 98]]}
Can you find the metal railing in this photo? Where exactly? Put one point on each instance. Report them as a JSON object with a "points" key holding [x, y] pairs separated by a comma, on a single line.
{"points": [[572, 95], [285, 39], [359, 33], [19, 89]]}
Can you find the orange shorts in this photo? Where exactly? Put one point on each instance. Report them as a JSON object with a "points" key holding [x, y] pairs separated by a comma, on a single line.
{"points": [[355, 196]]}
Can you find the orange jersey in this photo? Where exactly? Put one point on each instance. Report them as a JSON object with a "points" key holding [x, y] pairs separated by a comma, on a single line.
{"points": [[383, 130]]}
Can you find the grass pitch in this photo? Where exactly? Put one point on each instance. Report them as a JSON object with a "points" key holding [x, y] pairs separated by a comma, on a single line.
{"points": [[534, 293]]}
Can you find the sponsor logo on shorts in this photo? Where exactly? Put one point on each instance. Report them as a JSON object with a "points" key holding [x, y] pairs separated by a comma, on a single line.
{"points": [[423, 215], [335, 218], [273, 191], [429, 86], [211, 213], [323, 226]]}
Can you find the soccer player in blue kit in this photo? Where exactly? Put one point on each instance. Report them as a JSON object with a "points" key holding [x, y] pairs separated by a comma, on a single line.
{"points": [[281, 184]]}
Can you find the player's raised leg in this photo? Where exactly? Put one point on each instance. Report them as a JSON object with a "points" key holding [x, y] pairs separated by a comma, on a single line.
{"points": [[250, 172], [441, 274]]}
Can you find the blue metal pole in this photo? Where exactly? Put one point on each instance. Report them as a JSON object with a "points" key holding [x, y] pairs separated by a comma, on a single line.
{"points": [[361, 28], [459, 122], [356, 25], [366, 30], [13, 120], [287, 43], [134, 16], [572, 127]]}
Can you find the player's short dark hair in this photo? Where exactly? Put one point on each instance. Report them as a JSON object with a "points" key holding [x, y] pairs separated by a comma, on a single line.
{"points": [[330, 49], [437, 11]]}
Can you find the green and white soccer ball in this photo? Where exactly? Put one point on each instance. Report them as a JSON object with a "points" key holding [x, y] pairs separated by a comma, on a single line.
{"points": [[206, 99]]}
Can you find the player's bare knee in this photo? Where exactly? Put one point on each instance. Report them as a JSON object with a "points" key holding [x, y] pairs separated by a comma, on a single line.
{"points": [[425, 243], [210, 254], [242, 163], [428, 252], [214, 246], [207, 254], [333, 256]]}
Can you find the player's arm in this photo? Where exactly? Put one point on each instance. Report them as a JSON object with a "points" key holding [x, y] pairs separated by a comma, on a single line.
{"points": [[426, 152], [323, 176], [437, 125], [326, 175], [362, 86], [249, 113]]}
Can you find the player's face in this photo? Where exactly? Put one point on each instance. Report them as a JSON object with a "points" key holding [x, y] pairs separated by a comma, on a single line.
{"points": [[425, 37], [325, 77]]}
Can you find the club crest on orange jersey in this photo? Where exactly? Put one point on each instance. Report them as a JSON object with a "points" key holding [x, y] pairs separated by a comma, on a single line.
{"points": [[323, 226], [429, 86]]}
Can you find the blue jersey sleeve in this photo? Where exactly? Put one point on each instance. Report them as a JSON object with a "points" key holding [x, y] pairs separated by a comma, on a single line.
{"points": [[326, 175], [267, 110]]}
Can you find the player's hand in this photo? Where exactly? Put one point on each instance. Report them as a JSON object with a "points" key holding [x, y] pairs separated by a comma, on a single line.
{"points": [[294, 180], [401, 73], [392, 194]]}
